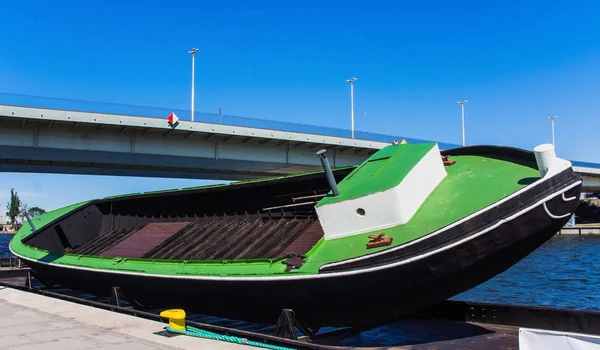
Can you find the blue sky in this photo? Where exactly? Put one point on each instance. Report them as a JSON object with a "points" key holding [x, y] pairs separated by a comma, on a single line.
{"points": [[516, 62]]}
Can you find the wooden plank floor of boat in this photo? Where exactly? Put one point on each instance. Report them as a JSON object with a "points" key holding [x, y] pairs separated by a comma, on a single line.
{"points": [[305, 241], [144, 240]]}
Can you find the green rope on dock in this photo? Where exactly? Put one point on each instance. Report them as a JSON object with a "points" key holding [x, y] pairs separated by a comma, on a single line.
{"points": [[200, 333]]}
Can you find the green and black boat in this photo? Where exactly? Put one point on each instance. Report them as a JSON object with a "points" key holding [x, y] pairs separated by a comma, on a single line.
{"points": [[408, 228]]}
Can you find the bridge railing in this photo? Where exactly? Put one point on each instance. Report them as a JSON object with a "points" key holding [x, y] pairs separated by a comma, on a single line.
{"points": [[214, 118]]}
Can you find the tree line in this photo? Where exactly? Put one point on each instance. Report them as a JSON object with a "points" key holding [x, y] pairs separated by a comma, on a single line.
{"points": [[16, 209]]}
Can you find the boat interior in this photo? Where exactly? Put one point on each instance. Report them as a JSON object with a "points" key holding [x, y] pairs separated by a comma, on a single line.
{"points": [[261, 219]]}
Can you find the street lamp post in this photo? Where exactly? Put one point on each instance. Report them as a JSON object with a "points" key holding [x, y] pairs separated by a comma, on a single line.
{"points": [[463, 120], [351, 81], [193, 53], [552, 119]]}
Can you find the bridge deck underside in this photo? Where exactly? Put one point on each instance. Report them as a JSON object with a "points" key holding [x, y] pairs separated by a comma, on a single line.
{"points": [[83, 148]]}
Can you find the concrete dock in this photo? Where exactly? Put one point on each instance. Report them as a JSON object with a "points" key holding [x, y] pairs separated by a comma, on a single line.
{"points": [[30, 321]]}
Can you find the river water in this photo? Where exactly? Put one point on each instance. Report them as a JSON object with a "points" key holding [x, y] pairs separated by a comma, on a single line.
{"points": [[4, 239], [562, 273]]}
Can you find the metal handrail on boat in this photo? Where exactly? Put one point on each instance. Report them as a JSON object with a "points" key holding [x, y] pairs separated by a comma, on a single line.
{"points": [[289, 205], [307, 197]]}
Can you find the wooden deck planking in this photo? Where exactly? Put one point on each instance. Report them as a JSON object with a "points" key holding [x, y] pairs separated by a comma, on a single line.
{"points": [[305, 241], [144, 240]]}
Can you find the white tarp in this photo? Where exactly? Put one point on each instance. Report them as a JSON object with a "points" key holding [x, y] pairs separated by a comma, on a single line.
{"points": [[539, 339]]}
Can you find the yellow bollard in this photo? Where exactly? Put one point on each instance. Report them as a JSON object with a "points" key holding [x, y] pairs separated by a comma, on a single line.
{"points": [[176, 318]]}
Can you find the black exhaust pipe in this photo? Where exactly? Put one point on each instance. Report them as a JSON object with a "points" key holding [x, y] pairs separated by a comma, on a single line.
{"points": [[328, 172], [33, 229]]}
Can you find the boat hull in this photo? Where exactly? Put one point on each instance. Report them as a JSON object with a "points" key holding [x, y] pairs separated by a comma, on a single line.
{"points": [[374, 291]]}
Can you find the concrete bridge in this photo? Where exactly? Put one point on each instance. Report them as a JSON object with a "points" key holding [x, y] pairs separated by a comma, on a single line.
{"points": [[591, 175], [77, 142], [62, 141]]}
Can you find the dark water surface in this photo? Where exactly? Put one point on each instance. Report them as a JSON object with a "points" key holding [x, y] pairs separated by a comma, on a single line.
{"points": [[562, 273], [4, 239]]}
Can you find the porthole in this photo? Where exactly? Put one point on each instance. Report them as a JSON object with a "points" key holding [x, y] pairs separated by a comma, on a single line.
{"points": [[360, 212]]}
